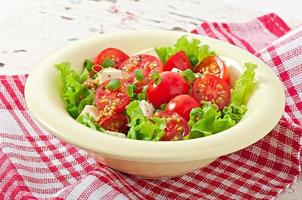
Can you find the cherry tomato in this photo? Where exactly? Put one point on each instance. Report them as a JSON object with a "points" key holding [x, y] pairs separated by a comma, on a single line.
{"points": [[212, 89], [176, 126], [171, 84], [146, 63], [214, 65], [111, 57], [182, 105], [179, 60], [111, 102], [117, 123]]}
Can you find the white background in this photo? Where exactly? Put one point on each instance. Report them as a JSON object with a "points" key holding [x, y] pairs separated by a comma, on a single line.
{"points": [[32, 29]]}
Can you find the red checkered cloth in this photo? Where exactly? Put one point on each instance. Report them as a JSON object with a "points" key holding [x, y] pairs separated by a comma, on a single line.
{"points": [[36, 165]]}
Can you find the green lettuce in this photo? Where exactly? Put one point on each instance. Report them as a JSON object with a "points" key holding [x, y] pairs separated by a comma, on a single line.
{"points": [[142, 128], [87, 120], [234, 111], [74, 94], [209, 120], [192, 48], [244, 85]]}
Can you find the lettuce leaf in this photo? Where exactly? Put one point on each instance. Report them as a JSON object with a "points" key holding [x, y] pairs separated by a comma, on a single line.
{"points": [[74, 94], [87, 120], [192, 48], [244, 86], [234, 111], [142, 128], [88, 99], [133, 110], [208, 120]]}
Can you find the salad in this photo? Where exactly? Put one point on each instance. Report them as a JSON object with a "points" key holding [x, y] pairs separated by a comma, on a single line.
{"points": [[180, 92]]}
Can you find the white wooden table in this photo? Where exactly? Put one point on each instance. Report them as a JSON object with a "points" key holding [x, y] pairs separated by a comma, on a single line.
{"points": [[31, 29]]}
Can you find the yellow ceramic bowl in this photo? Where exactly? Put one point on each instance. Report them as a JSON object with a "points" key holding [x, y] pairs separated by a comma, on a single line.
{"points": [[144, 158]]}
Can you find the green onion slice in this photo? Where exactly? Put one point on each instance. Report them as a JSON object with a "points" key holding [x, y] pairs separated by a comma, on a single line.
{"points": [[139, 74], [189, 75], [163, 106], [142, 95], [156, 78], [87, 64], [114, 84], [108, 63], [131, 90]]}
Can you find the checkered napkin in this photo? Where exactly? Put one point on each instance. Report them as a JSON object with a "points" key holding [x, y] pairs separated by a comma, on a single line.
{"points": [[36, 165]]}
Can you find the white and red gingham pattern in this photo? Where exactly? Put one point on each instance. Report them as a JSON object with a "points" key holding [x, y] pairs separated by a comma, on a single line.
{"points": [[36, 165]]}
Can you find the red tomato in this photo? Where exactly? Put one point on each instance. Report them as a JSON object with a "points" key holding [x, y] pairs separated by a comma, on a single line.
{"points": [[214, 65], [182, 105], [213, 89], [179, 60], [176, 127], [111, 102], [117, 123], [115, 56], [171, 85], [146, 63]]}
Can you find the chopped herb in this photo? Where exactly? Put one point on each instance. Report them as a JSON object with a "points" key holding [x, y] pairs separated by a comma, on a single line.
{"points": [[87, 65], [163, 106], [114, 84], [131, 90], [156, 78], [142, 95], [139, 74], [108, 63], [194, 59], [158, 81], [188, 75]]}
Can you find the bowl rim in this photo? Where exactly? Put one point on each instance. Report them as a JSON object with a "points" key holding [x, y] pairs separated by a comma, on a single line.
{"points": [[163, 151]]}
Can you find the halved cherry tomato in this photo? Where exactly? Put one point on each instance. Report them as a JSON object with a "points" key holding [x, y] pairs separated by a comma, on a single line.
{"points": [[212, 89], [182, 105], [171, 84], [214, 65], [176, 126], [117, 123], [111, 57], [146, 63], [111, 102], [179, 60]]}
